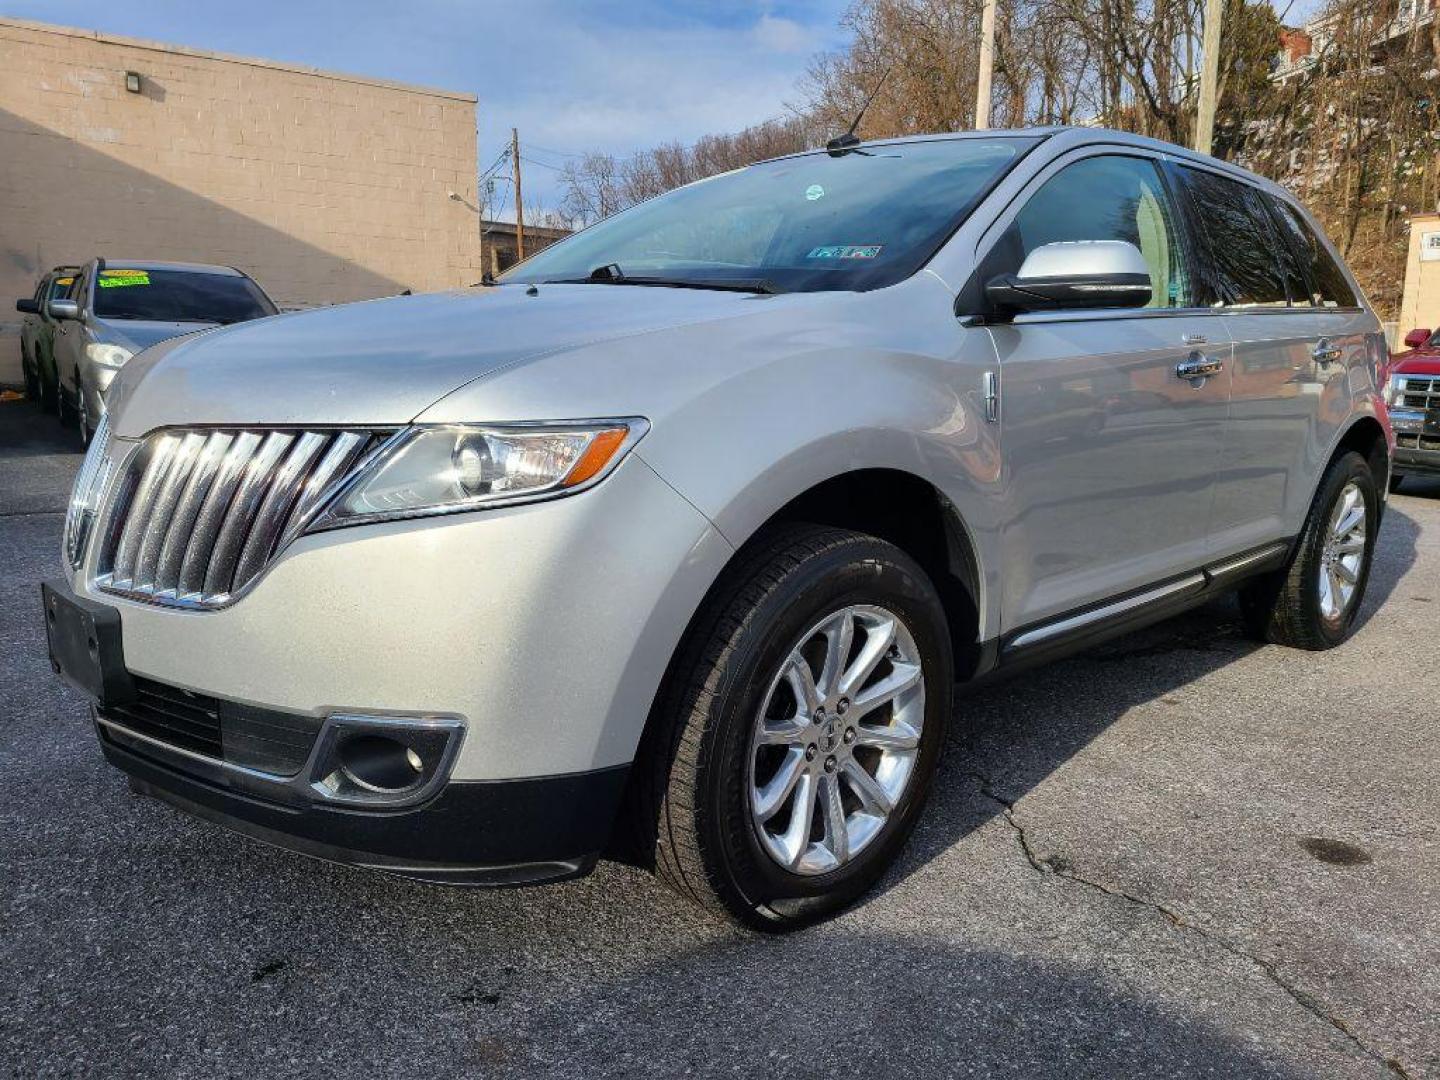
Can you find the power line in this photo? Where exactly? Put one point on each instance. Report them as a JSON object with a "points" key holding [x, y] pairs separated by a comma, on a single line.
{"points": [[557, 153]]}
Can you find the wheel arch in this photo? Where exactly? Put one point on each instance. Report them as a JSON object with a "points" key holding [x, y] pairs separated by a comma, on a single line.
{"points": [[892, 504], [1368, 437]]}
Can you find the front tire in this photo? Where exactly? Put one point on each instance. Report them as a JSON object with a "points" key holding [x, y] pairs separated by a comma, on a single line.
{"points": [[796, 738], [1313, 602]]}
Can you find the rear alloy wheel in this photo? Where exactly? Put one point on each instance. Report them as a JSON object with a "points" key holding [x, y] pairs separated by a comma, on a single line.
{"points": [[793, 746], [1313, 602]]}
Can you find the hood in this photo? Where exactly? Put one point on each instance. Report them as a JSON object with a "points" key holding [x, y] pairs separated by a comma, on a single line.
{"points": [[1424, 361], [383, 362], [139, 334]]}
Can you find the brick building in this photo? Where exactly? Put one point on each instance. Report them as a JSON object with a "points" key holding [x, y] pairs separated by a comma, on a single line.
{"points": [[501, 250], [324, 187]]}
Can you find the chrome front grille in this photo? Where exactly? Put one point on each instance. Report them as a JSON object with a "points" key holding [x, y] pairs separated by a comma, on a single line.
{"points": [[199, 513], [1421, 393]]}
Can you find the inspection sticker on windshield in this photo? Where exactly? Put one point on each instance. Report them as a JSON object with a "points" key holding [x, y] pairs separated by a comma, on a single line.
{"points": [[111, 279], [846, 251]]}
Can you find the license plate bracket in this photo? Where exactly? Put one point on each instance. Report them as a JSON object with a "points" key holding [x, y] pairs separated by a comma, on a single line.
{"points": [[85, 645]]}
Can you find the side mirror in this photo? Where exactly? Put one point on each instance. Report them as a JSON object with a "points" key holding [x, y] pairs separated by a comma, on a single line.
{"points": [[1416, 339], [63, 309], [1076, 274], [27, 305]]}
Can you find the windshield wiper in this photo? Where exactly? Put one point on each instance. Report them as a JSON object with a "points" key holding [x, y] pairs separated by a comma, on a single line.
{"points": [[611, 274]]}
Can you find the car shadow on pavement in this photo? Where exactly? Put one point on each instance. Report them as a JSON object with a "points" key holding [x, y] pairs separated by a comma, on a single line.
{"points": [[838, 1002]]}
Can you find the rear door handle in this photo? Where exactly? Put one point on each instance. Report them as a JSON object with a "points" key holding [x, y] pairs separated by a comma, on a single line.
{"points": [[1326, 352], [1199, 366]]}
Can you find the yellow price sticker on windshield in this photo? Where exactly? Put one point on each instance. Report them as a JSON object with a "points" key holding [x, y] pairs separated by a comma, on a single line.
{"points": [[110, 279]]}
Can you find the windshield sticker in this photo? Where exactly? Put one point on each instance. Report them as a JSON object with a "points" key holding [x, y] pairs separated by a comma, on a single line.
{"points": [[64, 281], [814, 191], [110, 279], [847, 251]]}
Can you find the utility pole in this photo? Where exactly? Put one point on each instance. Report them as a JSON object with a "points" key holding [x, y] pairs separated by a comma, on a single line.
{"points": [[987, 66], [1209, 77], [519, 204]]}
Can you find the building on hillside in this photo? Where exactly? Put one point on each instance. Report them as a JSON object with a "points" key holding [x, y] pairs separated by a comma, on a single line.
{"points": [[324, 187], [1302, 49], [500, 248]]}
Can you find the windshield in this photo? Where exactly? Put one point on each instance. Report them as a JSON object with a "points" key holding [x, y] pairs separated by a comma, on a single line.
{"points": [[178, 296], [863, 220]]}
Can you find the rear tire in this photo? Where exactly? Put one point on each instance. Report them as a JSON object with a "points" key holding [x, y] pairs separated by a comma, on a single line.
{"points": [[735, 701], [32, 379], [1312, 603], [49, 392]]}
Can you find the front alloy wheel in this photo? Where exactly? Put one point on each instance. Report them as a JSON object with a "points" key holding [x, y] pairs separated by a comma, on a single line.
{"points": [[836, 741], [792, 747]]}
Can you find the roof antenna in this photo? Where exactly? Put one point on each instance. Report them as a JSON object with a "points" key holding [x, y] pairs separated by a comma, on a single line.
{"points": [[844, 144]]}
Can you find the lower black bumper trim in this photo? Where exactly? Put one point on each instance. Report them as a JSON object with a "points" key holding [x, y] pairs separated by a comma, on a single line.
{"points": [[1416, 462], [478, 833]]}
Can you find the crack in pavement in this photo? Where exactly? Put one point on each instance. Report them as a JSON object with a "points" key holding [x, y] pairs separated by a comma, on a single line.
{"points": [[1306, 1001]]}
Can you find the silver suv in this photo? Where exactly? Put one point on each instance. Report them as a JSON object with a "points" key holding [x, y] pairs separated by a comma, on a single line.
{"points": [[672, 545]]}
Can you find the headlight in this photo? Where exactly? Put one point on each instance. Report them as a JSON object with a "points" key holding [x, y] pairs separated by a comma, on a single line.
{"points": [[454, 467], [84, 505], [108, 356], [1395, 390]]}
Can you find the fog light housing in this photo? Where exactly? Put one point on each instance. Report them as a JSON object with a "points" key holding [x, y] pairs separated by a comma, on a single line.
{"points": [[382, 761], [379, 763]]}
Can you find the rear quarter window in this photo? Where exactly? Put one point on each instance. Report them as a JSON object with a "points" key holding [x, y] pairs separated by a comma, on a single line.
{"points": [[1327, 284]]}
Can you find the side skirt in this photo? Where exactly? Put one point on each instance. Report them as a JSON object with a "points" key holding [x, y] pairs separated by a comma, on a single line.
{"points": [[1061, 635]]}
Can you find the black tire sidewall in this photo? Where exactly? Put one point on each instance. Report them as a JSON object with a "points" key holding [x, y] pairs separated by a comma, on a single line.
{"points": [[1351, 467], [867, 571]]}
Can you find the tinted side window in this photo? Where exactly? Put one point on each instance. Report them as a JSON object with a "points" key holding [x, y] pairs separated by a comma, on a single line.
{"points": [[1243, 264], [1328, 287], [1107, 198]]}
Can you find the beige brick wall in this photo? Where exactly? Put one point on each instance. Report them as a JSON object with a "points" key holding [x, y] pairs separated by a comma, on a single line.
{"points": [[324, 187]]}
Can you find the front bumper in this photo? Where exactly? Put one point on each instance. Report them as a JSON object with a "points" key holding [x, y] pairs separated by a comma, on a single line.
{"points": [[1417, 441], [313, 788], [507, 832]]}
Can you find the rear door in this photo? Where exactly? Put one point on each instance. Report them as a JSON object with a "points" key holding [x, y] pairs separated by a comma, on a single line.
{"points": [[1284, 379], [1110, 455]]}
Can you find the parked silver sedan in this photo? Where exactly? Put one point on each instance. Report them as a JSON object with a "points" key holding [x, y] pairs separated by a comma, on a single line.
{"points": [[673, 545], [116, 308]]}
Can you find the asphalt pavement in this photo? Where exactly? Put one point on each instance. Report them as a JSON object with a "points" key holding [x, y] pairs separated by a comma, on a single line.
{"points": [[1180, 855]]}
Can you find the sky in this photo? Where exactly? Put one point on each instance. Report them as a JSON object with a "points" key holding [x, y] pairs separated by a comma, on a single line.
{"points": [[572, 76]]}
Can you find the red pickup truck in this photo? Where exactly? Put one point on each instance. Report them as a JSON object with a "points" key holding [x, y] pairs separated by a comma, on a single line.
{"points": [[1413, 394]]}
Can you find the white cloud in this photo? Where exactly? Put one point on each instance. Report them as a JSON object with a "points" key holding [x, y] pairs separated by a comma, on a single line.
{"points": [[784, 35]]}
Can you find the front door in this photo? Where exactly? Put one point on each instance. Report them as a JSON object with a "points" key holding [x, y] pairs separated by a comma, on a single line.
{"points": [[1110, 453]]}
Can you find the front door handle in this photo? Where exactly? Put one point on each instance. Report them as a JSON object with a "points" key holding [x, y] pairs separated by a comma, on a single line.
{"points": [[1326, 351], [1199, 366]]}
